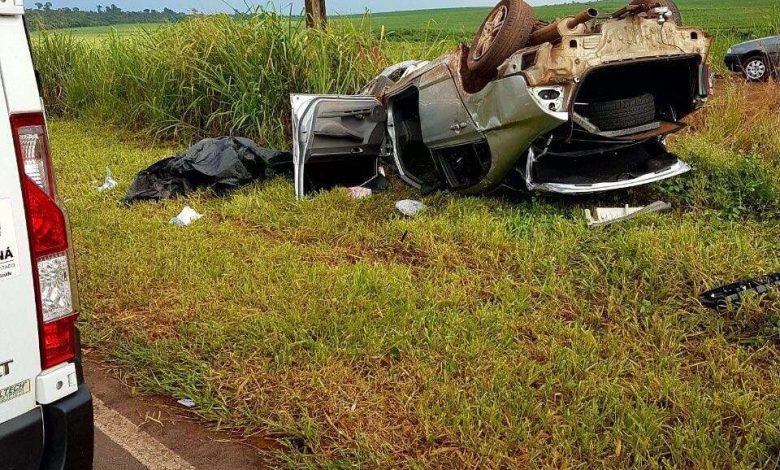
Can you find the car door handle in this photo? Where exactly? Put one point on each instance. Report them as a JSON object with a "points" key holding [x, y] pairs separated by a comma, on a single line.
{"points": [[457, 127]]}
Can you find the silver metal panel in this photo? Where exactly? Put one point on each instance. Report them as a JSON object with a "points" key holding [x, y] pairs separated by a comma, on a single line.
{"points": [[445, 120], [511, 119], [675, 170]]}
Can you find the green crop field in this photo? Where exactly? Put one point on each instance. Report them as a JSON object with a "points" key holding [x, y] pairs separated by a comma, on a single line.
{"points": [[98, 32], [714, 15], [744, 17]]}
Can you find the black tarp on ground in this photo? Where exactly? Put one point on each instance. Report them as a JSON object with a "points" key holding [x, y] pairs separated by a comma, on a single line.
{"points": [[222, 165]]}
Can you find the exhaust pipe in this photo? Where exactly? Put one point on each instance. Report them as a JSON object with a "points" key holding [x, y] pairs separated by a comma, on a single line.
{"points": [[555, 31]]}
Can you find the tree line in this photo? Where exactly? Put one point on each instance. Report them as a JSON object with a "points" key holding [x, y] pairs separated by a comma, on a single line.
{"points": [[46, 17]]}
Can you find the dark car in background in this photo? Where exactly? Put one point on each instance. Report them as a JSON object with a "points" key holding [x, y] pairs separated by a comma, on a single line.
{"points": [[757, 60]]}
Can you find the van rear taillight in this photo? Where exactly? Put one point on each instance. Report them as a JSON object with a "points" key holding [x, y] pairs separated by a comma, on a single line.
{"points": [[49, 241]]}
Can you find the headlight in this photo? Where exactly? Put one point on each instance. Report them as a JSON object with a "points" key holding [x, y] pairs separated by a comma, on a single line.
{"points": [[729, 51]]}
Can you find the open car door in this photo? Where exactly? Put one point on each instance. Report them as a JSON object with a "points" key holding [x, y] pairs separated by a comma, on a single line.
{"points": [[337, 141]]}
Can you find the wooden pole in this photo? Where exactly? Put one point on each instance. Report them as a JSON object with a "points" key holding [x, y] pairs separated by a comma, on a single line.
{"points": [[316, 16]]}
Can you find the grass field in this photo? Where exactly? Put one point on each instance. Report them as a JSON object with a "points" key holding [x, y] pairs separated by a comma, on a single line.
{"points": [[494, 334], [122, 30], [717, 16]]}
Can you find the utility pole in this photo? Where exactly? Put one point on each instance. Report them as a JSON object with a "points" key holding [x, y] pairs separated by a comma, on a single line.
{"points": [[316, 16]]}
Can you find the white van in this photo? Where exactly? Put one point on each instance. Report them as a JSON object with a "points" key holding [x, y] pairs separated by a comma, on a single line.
{"points": [[45, 408]]}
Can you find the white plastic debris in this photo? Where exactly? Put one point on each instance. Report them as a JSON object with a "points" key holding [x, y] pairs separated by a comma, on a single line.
{"points": [[109, 184], [186, 402], [602, 216], [186, 217], [359, 192], [409, 208]]}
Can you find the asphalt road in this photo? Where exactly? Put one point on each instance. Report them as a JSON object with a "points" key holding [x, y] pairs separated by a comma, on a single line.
{"points": [[110, 456]]}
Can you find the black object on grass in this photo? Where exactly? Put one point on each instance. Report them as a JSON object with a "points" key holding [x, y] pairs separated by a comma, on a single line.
{"points": [[222, 165], [732, 294]]}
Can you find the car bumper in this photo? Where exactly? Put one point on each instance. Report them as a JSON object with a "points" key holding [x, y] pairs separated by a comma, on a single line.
{"points": [[733, 62], [677, 169], [69, 435]]}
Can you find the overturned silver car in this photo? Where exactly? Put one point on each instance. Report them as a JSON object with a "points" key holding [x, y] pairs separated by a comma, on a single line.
{"points": [[582, 105]]}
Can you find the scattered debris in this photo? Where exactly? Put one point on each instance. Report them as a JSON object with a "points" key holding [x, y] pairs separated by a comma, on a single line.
{"points": [[186, 402], [603, 216], [410, 208], [109, 183], [359, 192], [732, 294], [187, 216], [222, 165]]}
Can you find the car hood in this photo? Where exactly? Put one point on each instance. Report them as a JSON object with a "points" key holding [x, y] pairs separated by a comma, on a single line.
{"points": [[748, 46]]}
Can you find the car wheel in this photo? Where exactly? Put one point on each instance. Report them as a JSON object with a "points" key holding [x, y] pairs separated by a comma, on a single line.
{"points": [[676, 15], [620, 114], [755, 68], [504, 32]]}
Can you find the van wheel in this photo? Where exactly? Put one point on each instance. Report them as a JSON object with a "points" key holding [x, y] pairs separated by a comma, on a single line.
{"points": [[676, 15], [505, 31], [755, 68]]}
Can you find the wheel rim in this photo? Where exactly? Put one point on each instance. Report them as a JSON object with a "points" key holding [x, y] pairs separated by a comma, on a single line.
{"points": [[489, 33], [755, 69]]}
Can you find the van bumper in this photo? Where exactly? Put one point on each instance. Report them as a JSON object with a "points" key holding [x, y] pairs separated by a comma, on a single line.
{"points": [[70, 434]]}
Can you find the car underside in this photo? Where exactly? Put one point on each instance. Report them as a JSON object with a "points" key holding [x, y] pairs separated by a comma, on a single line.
{"points": [[583, 107]]}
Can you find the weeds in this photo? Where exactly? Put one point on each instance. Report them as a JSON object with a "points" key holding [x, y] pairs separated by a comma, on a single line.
{"points": [[209, 76], [734, 147]]}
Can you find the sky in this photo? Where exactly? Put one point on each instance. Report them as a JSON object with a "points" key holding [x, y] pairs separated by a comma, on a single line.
{"points": [[334, 6]]}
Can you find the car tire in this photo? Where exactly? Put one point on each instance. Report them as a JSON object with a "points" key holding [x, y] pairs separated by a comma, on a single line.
{"points": [[620, 114], [676, 15], [756, 68], [505, 31]]}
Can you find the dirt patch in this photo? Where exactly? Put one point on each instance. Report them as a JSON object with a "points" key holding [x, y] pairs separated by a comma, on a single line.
{"points": [[175, 427]]}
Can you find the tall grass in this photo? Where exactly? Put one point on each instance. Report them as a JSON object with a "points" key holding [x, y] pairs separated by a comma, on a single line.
{"points": [[208, 76]]}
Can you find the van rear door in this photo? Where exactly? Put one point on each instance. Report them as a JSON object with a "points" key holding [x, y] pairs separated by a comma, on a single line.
{"points": [[20, 361]]}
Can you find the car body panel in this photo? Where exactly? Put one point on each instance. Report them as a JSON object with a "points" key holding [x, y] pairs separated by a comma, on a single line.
{"points": [[630, 39], [676, 169], [35, 432], [447, 122], [511, 119]]}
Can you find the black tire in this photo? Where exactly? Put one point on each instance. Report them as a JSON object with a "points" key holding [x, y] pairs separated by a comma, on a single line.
{"points": [[752, 67], [517, 22], [676, 15], [620, 114]]}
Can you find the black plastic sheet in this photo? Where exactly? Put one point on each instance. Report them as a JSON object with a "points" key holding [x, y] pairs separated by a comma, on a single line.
{"points": [[221, 165]]}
